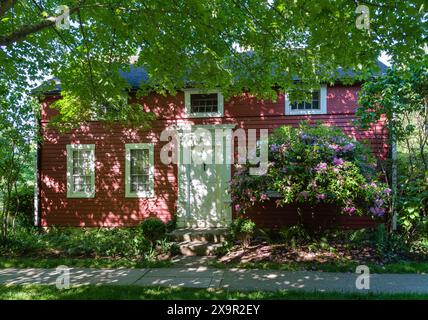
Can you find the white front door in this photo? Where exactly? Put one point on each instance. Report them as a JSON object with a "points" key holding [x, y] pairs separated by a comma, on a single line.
{"points": [[203, 201]]}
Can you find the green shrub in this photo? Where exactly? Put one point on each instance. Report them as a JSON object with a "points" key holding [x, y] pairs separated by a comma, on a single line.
{"points": [[293, 235], [388, 245], [22, 203], [420, 247], [153, 229], [77, 242], [224, 249], [314, 165], [242, 229], [413, 204], [171, 225]]}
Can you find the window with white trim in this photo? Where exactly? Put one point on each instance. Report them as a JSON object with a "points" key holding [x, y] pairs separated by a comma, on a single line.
{"points": [[80, 170], [317, 105], [203, 103], [139, 170]]}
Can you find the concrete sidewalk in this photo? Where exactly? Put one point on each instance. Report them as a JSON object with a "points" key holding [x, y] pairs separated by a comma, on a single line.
{"points": [[231, 279]]}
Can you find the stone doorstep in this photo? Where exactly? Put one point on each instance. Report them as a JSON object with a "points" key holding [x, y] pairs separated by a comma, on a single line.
{"points": [[198, 248], [214, 235]]}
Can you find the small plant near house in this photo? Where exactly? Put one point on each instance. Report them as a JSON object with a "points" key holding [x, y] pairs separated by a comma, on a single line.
{"points": [[153, 229], [242, 229], [314, 165], [294, 235], [388, 245], [145, 243]]}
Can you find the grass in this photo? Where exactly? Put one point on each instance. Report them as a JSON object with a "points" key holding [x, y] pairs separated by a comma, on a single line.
{"points": [[339, 266], [40, 292], [33, 262]]}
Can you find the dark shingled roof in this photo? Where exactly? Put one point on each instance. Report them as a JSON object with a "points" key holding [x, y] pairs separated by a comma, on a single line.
{"points": [[135, 76]]}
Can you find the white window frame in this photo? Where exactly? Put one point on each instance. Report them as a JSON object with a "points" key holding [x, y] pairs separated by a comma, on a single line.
{"points": [[187, 107], [70, 181], [139, 146], [322, 104]]}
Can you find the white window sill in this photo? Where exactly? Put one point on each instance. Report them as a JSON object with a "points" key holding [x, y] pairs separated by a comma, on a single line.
{"points": [[140, 195], [304, 112], [205, 115], [82, 195]]}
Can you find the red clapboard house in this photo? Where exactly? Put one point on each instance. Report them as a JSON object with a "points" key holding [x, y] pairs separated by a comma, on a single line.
{"points": [[89, 176]]}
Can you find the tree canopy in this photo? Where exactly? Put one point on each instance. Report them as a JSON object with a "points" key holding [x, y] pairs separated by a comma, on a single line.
{"points": [[233, 45]]}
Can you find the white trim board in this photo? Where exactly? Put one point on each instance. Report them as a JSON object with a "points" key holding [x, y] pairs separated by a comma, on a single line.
{"points": [[70, 149], [139, 146], [187, 108], [322, 103]]}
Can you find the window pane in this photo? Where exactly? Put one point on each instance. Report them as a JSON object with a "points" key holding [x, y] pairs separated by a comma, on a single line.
{"points": [[315, 104], [316, 95], [200, 103], [139, 170], [82, 170], [139, 161], [78, 184]]}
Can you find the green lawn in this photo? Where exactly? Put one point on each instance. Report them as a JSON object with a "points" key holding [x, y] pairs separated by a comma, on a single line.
{"points": [[339, 266], [39, 292], [25, 262]]}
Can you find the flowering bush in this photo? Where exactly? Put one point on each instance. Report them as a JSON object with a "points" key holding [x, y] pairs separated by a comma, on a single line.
{"points": [[314, 164]]}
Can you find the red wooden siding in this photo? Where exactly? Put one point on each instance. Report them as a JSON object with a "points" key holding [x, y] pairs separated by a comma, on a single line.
{"points": [[268, 215], [111, 208]]}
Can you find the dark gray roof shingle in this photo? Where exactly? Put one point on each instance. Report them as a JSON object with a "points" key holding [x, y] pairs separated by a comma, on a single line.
{"points": [[135, 76]]}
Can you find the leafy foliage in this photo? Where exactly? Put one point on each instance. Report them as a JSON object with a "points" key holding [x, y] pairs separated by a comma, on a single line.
{"points": [[200, 42], [128, 243], [153, 229], [22, 204], [242, 229], [401, 100], [293, 235], [17, 138], [314, 164]]}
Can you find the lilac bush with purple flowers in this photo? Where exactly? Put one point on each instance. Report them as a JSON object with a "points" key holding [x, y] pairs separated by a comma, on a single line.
{"points": [[312, 165]]}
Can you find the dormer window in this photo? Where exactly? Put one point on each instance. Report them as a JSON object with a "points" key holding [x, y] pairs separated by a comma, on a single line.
{"points": [[318, 104], [314, 104], [203, 103], [199, 104]]}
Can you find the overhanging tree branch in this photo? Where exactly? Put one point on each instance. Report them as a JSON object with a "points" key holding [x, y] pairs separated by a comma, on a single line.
{"points": [[26, 30], [5, 6]]}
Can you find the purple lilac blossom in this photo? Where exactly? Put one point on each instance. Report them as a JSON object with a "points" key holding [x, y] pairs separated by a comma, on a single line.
{"points": [[349, 147], [378, 202], [387, 191], [377, 212], [320, 196], [335, 147], [338, 161], [349, 210], [274, 148], [321, 167]]}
